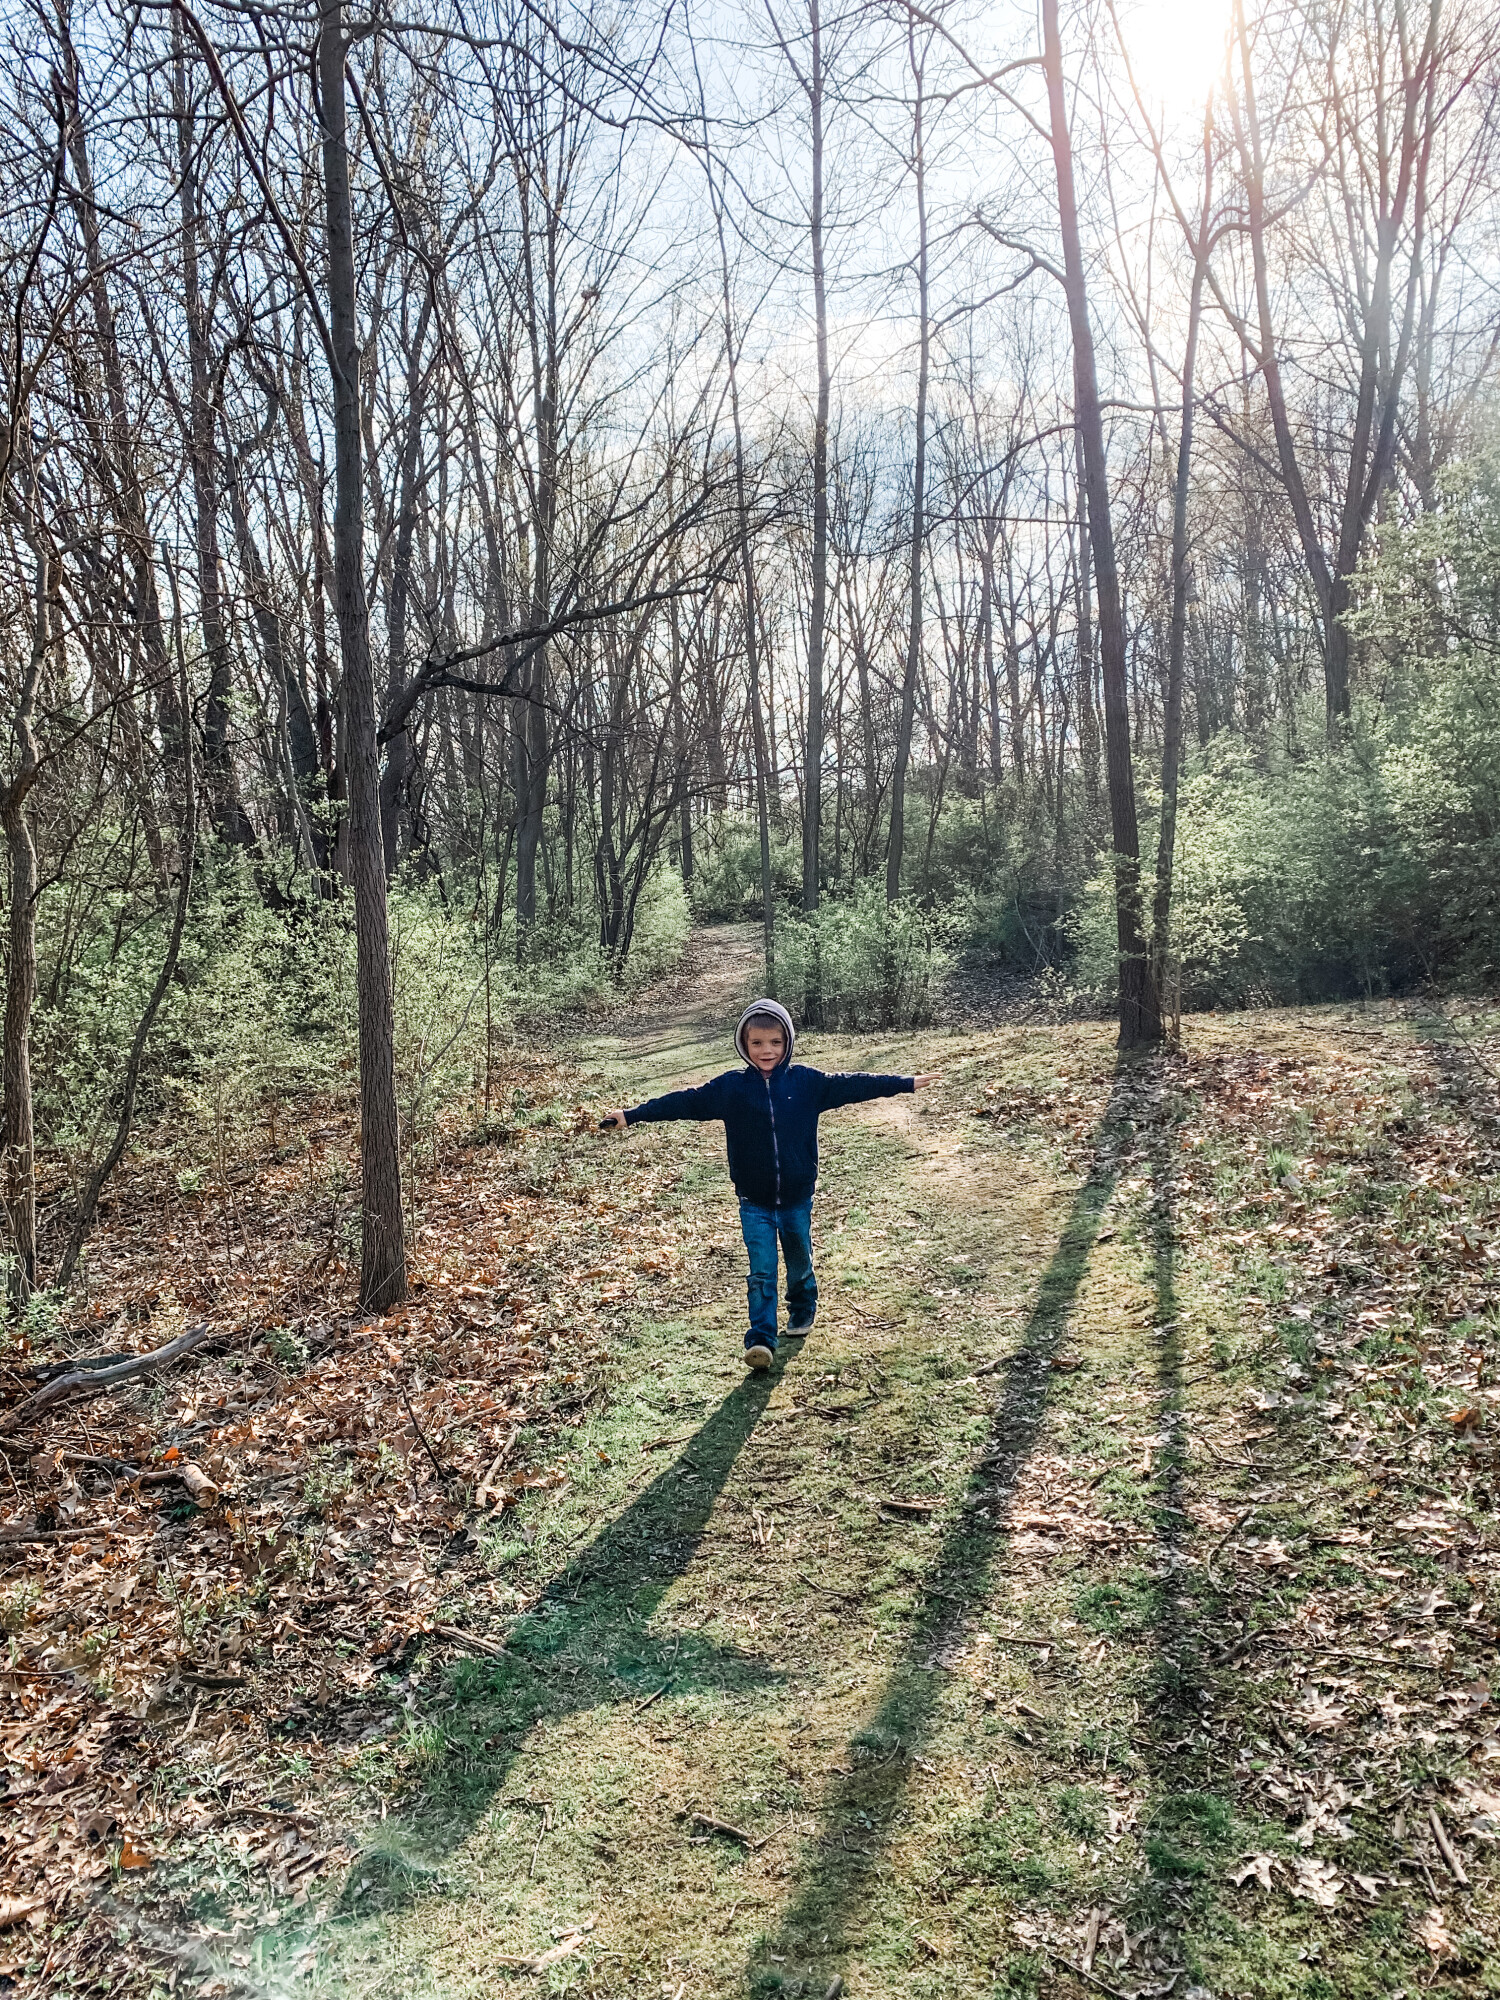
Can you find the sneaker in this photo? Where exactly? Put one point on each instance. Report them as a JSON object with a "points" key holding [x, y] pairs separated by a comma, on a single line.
{"points": [[802, 1325], [759, 1355]]}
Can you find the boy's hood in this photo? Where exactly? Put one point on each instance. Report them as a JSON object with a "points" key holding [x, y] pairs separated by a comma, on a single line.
{"points": [[767, 1007]]}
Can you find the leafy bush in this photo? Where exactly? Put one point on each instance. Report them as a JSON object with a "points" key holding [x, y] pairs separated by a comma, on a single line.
{"points": [[263, 1008], [1363, 868], [726, 867], [860, 962]]}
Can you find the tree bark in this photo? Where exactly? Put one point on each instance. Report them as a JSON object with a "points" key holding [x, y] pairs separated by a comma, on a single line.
{"points": [[400, 755], [229, 816], [1171, 750], [911, 665], [18, 1132], [382, 1276], [88, 1202], [1088, 714], [812, 823], [1140, 1012]]}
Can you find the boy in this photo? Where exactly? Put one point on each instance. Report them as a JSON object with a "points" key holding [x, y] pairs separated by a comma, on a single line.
{"points": [[770, 1110]]}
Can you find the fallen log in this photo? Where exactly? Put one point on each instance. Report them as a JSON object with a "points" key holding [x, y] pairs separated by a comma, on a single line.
{"points": [[94, 1379]]}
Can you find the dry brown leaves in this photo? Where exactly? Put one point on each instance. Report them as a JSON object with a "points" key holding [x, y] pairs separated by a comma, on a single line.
{"points": [[163, 1658]]}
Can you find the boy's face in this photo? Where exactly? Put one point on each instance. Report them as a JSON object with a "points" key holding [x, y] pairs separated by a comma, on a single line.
{"points": [[765, 1048]]}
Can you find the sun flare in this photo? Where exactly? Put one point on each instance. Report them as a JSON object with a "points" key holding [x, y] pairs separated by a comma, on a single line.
{"points": [[1176, 49]]}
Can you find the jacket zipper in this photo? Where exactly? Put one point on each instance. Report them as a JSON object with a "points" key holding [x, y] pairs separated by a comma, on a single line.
{"points": [[775, 1148]]}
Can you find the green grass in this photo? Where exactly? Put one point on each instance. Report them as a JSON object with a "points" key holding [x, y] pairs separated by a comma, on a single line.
{"points": [[730, 1625]]}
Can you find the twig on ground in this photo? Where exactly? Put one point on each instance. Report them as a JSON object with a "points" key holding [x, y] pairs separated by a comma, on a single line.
{"points": [[542, 1832], [1445, 1847], [1079, 1973], [482, 1645], [738, 1833], [845, 1596], [437, 1464], [1233, 1529]]}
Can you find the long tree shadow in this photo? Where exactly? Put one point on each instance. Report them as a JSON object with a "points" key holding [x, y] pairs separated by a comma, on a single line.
{"points": [[584, 1644], [818, 1929], [1187, 1821]]}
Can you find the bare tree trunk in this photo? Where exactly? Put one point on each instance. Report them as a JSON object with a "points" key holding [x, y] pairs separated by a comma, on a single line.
{"points": [[1171, 746], [812, 824], [1398, 181], [912, 663], [1140, 1012], [230, 820], [747, 581], [400, 755], [382, 1276], [114, 442], [302, 740], [812, 821], [1088, 714], [88, 1201], [18, 1133]]}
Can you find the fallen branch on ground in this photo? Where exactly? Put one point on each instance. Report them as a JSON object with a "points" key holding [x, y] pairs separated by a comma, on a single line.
{"points": [[1079, 1973], [491, 1646], [105, 1378]]}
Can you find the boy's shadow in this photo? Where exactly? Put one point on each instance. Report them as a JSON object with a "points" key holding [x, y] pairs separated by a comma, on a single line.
{"points": [[584, 1644]]}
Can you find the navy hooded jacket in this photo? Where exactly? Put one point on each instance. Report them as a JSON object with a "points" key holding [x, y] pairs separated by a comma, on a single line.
{"points": [[770, 1122]]}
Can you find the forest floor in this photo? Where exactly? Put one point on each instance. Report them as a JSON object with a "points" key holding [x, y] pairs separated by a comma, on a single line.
{"points": [[1100, 1599]]}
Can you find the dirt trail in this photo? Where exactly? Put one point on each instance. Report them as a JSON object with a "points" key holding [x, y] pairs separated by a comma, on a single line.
{"points": [[879, 1674], [685, 1022], [747, 1634]]}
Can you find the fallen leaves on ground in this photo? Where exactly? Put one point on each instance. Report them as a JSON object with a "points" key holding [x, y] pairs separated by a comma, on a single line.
{"points": [[173, 1663]]}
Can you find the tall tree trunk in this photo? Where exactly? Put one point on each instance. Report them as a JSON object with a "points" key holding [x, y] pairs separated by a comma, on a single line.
{"points": [[987, 629], [229, 816], [751, 607], [382, 1276], [302, 739], [812, 821], [400, 755], [88, 1201], [681, 755], [912, 663], [1398, 181], [531, 735], [1140, 1012], [1088, 714], [17, 1131], [1171, 743], [116, 448]]}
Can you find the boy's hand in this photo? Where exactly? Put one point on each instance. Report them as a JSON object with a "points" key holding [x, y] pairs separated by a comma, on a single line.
{"points": [[615, 1118], [921, 1082]]}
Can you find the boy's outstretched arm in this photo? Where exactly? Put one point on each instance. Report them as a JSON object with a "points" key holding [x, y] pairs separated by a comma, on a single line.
{"points": [[700, 1103], [855, 1086]]}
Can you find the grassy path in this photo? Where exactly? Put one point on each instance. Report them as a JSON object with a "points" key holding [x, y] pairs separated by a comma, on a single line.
{"points": [[759, 1730]]}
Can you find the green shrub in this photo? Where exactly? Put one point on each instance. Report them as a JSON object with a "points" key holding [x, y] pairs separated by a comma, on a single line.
{"points": [[860, 962], [726, 867], [263, 1008]]}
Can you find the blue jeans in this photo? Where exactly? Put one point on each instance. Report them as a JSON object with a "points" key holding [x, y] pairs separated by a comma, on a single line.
{"points": [[762, 1227]]}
